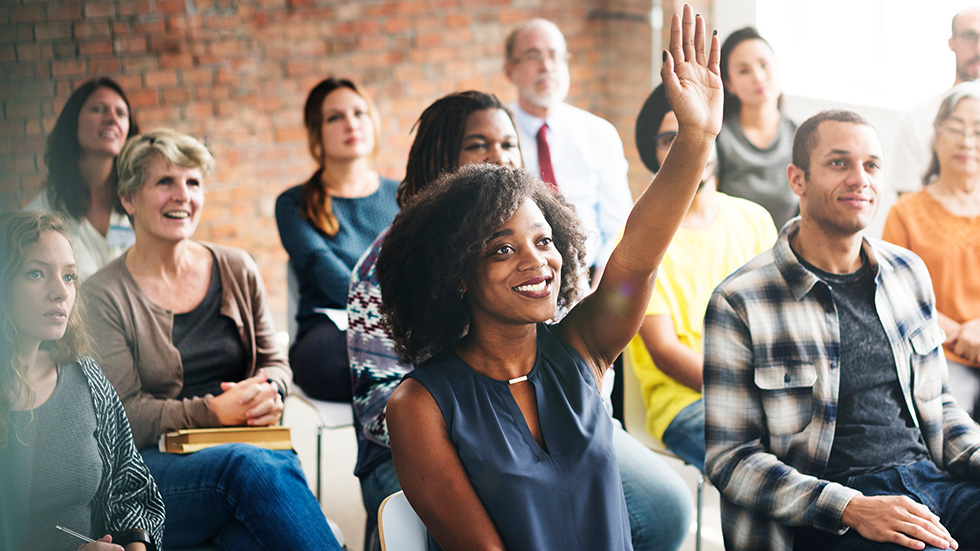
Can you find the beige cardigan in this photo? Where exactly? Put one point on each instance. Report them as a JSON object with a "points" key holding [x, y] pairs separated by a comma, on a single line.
{"points": [[133, 338]]}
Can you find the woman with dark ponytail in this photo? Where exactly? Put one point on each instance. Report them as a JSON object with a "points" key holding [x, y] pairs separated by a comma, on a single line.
{"points": [[326, 224]]}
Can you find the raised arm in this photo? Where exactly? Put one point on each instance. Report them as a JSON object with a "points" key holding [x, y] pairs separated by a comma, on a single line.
{"points": [[603, 323]]}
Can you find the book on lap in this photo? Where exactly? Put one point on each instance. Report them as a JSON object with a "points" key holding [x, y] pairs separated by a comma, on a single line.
{"points": [[192, 440]]}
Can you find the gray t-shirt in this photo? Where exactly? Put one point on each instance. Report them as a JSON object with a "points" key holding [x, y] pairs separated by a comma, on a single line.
{"points": [[758, 175], [52, 465], [874, 428]]}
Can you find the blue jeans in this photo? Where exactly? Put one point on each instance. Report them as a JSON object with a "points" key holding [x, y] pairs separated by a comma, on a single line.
{"points": [[684, 436], [240, 497], [955, 501], [658, 501]]}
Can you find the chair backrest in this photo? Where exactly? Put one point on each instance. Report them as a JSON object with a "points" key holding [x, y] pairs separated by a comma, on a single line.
{"points": [[634, 411], [399, 528]]}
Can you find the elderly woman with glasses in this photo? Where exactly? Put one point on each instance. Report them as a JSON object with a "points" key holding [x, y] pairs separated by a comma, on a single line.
{"points": [[941, 224]]}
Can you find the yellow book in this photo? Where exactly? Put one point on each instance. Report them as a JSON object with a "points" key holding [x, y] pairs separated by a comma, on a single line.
{"points": [[192, 440]]}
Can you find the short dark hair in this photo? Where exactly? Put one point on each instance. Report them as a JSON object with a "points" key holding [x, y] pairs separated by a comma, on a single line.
{"points": [[439, 138], [732, 104], [806, 134], [65, 189], [648, 124], [437, 241]]}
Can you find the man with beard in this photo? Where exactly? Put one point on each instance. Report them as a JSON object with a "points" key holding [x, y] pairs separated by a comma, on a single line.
{"points": [[718, 235], [828, 418], [913, 143], [572, 149]]}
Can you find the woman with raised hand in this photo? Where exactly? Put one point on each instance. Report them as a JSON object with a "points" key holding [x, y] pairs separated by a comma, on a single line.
{"points": [[941, 224], [500, 439], [326, 224], [66, 451], [81, 186], [185, 336], [755, 144]]}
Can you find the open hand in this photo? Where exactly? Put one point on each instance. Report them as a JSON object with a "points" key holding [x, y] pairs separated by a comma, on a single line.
{"points": [[897, 519], [692, 80]]}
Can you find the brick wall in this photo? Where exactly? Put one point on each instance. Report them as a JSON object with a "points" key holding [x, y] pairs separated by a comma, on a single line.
{"points": [[235, 74]]}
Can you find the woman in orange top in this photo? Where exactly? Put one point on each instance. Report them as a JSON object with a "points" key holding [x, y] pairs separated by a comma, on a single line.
{"points": [[941, 224]]}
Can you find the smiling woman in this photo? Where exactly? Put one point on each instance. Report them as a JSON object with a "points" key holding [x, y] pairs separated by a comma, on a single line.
{"points": [[81, 158], [499, 436], [186, 337]]}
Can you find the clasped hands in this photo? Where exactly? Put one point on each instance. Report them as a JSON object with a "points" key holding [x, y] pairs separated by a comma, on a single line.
{"points": [[253, 401]]}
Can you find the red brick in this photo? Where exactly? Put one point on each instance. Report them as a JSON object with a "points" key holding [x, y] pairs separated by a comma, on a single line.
{"points": [[150, 27], [97, 29], [176, 95], [28, 145], [197, 76], [107, 66], [8, 53], [175, 61], [68, 67], [133, 7], [71, 12], [98, 10], [143, 98], [160, 79], [49, 31], [65, 49], [95, 48], [130, 45], [171, 6], [199, 109], [26, 14], [121, 28]]}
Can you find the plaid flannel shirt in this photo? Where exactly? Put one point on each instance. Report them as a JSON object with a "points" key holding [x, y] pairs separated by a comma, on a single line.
{"points": [[771, 381]]}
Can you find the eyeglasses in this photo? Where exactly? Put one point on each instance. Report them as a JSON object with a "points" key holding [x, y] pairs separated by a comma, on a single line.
{"points": [[538, 58], [665, 139], [959, 133]]}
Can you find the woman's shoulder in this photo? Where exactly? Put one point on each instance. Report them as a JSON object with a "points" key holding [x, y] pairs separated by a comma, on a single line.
{"points": [[234, 258], [109, 278]]}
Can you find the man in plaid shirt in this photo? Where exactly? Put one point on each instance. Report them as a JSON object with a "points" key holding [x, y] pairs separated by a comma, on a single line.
{"points": [[828, 421]]}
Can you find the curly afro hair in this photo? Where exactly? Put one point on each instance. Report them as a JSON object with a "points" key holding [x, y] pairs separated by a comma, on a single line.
{"points": [[437, 241]]}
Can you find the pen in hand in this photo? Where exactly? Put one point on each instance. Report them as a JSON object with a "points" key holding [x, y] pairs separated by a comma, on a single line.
{"points": [[71, 532]]}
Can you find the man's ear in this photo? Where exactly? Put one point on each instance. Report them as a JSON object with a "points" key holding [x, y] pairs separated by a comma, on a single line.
{"points": [[797, 179], [508, 70]]}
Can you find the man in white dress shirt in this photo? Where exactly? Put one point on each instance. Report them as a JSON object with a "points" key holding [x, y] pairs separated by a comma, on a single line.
{"points": [[913, 143], [586, 154]]}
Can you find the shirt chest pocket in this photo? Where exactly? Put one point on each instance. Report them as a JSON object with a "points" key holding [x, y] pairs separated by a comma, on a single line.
{"points": [[787, 396], [925, 344]]}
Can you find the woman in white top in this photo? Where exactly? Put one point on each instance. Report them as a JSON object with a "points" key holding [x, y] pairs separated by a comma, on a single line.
{"points": [[81, 158]]}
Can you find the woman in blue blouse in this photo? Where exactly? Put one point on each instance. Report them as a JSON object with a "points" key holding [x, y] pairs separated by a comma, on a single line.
{"points": [[326, 224], [499, 438]]}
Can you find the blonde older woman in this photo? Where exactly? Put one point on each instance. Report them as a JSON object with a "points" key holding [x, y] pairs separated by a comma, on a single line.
{"points": [[941, 224], [186, 338]]}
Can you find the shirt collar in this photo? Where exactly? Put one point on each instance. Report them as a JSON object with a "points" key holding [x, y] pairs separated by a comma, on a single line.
{"points": [[801, 280]]}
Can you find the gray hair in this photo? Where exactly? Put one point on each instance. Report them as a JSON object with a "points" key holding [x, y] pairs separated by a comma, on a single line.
{"points": [[956, 94], [174, 147]]}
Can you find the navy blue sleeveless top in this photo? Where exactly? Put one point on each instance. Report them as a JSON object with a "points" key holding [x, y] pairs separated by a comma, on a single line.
{"points": [[569, 497]]}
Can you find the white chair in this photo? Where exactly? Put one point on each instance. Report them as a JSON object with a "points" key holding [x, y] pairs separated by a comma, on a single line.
{"points": [[333, 415], [399, 528], [635, 423]]}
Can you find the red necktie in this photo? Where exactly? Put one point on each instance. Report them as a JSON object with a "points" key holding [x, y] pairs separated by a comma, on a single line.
{"points": [[544, 158]]}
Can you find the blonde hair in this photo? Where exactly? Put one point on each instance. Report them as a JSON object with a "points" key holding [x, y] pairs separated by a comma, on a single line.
{"points": [[174, 147], [18, 232]]}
